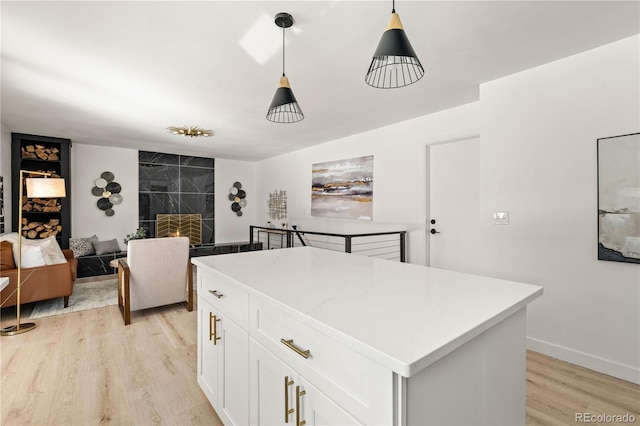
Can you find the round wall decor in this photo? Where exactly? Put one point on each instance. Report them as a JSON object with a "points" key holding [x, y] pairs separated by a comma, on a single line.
{"points": [[237, 196], [108, 191]]}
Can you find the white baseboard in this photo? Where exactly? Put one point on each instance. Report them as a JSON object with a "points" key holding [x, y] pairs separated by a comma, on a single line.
{"points": [[601, 365]]}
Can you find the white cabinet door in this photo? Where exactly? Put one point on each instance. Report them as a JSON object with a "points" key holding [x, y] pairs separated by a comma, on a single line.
{"points": [[316, 408], [208, 353], [280, 396], [233, 372], [223, 358], [272, 388]]}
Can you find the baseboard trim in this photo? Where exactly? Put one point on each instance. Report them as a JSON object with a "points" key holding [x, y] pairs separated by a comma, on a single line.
{"points": [[601, 365]]}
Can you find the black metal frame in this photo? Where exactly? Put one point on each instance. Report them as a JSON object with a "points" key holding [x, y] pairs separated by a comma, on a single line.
{"points": [[347, 237]]}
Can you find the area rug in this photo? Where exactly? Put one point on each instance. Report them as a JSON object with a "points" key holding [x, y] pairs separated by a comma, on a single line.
{"points": [[86, 295]]}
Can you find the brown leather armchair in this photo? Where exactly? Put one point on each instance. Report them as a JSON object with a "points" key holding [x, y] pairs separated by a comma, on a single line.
{"points": [[42, 282]]}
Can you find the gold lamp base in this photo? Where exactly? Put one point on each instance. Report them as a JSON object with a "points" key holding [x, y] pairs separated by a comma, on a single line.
{"points": [[17, 329]]}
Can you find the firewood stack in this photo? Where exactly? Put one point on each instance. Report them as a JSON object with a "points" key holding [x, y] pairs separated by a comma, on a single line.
{"points": [[40, 151], [34, 229], [50, 205]]}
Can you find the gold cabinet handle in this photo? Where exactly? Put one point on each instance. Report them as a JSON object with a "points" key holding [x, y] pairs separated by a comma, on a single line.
{"points": [[213, 328], [216, 294], [299, 393], [290, 345], [287, 410]]}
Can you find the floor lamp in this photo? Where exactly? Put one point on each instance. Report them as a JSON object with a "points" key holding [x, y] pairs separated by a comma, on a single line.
{"points": [[35, 188]]}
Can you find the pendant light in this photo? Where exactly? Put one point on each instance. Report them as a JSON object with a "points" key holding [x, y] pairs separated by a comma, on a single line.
{"points": [[394, 63], [284, 108]]}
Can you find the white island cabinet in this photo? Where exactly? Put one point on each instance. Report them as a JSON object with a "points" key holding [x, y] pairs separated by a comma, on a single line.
{"points": [[306, 336]]}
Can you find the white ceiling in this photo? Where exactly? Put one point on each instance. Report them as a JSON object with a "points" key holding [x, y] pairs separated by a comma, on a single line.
{"points": [[117, 73]]}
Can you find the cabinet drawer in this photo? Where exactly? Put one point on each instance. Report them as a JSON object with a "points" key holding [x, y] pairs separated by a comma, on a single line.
{"points": [[226, 296], [361, 386]]}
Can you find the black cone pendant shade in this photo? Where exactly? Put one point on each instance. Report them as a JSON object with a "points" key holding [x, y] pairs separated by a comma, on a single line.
{"points": [[394, 63], [284, 107]]}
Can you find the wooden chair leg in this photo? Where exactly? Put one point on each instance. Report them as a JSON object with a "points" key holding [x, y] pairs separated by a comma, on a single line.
{"points": [[66, 301], [189, 286], [123, 291]]}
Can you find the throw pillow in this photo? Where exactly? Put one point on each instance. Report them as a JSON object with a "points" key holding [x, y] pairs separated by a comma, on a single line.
{"points": [[32, 257], [104, 247], [82, 246], [6, 256], [51, 251]]}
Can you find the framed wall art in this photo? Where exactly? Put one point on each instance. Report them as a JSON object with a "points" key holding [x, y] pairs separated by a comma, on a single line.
{"points": [[619, 198], [343, 188]]}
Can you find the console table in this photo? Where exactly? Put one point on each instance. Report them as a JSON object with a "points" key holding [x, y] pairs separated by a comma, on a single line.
{"points": [[302, 334]]}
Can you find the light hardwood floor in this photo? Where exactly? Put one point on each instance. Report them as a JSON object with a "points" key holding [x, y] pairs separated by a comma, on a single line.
{"points": [[87, 368]]}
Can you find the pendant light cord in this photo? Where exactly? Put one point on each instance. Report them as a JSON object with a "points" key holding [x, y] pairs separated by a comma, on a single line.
{"points": [[393, 6], [283, 50]]}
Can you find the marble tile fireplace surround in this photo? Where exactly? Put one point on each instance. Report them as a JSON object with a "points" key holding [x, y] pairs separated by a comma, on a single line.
{"points": [[176, 184]]}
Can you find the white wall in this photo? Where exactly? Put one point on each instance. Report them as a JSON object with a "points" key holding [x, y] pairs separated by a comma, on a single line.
{"points": [[229, 226], [5, 172], [538, 161], [399, 173], [87, 164]]}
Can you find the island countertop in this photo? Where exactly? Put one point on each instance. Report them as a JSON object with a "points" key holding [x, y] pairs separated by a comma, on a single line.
{"points": [[403, 316]]}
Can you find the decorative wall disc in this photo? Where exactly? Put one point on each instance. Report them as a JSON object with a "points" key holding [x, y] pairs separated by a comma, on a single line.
{"points": [[108, 191], [237, 195], [104, 204], [108, 176], [115, 199], [114, 187]]}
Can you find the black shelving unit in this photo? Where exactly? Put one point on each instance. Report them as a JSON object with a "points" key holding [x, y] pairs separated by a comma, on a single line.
{"points": [[60, 167]]}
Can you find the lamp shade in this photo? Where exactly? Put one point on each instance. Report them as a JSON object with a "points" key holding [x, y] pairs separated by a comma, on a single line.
{"points": [[45, 188], [395, 63], [284, 107]]}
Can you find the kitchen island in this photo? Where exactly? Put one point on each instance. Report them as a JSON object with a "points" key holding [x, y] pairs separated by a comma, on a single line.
{"points": [[312, 336]]}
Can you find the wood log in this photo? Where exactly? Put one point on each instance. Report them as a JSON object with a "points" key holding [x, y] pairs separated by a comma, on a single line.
{"points": [[39, 228], [38, 146], [30, 148], [53, 157], [44, 234], [51, 209], [54, 222], [29, 155], [32, 234]]}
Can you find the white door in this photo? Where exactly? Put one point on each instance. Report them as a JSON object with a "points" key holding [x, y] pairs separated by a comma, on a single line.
{"points": [[233, 372], [208, 355], [317, 409], [272, 388], [454, 205]]}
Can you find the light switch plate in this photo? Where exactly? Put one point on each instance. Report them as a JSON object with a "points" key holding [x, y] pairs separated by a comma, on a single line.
{"points": [[500, 218]]}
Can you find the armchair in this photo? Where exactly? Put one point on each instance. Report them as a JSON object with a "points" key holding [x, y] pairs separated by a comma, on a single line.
{"points": [[156, 272]]}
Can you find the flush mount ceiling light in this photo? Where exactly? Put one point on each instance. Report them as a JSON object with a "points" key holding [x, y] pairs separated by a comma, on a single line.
{"points": [[191, 131], [394, 63], [284, 107]]}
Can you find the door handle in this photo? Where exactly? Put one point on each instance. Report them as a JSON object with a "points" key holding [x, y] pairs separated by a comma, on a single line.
{"points": [[287, 410], [299, 393], [433, 231]]}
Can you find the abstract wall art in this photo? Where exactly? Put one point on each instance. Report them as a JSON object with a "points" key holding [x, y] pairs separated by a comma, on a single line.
{"points": [[343, 188], [619, 198]]}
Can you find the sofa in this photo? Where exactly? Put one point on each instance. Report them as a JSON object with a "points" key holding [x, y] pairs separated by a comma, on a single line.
{"points": [[40, 282]]}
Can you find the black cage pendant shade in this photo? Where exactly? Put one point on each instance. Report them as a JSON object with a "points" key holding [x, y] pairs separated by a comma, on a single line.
{"points": [[394, 64], [284, 107]]}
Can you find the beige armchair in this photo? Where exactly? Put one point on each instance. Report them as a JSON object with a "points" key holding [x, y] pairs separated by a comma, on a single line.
{"points": [[156, 272]]}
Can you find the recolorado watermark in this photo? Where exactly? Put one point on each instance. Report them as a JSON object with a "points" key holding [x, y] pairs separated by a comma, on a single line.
{"points": [[605, 418]]}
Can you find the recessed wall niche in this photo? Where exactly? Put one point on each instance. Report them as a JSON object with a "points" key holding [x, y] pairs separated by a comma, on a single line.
{"points": [[176, 184]]}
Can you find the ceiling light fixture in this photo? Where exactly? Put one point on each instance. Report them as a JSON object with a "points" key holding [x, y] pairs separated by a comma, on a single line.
{"points": [[191, 131], [284, 107], [394, 63]]}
